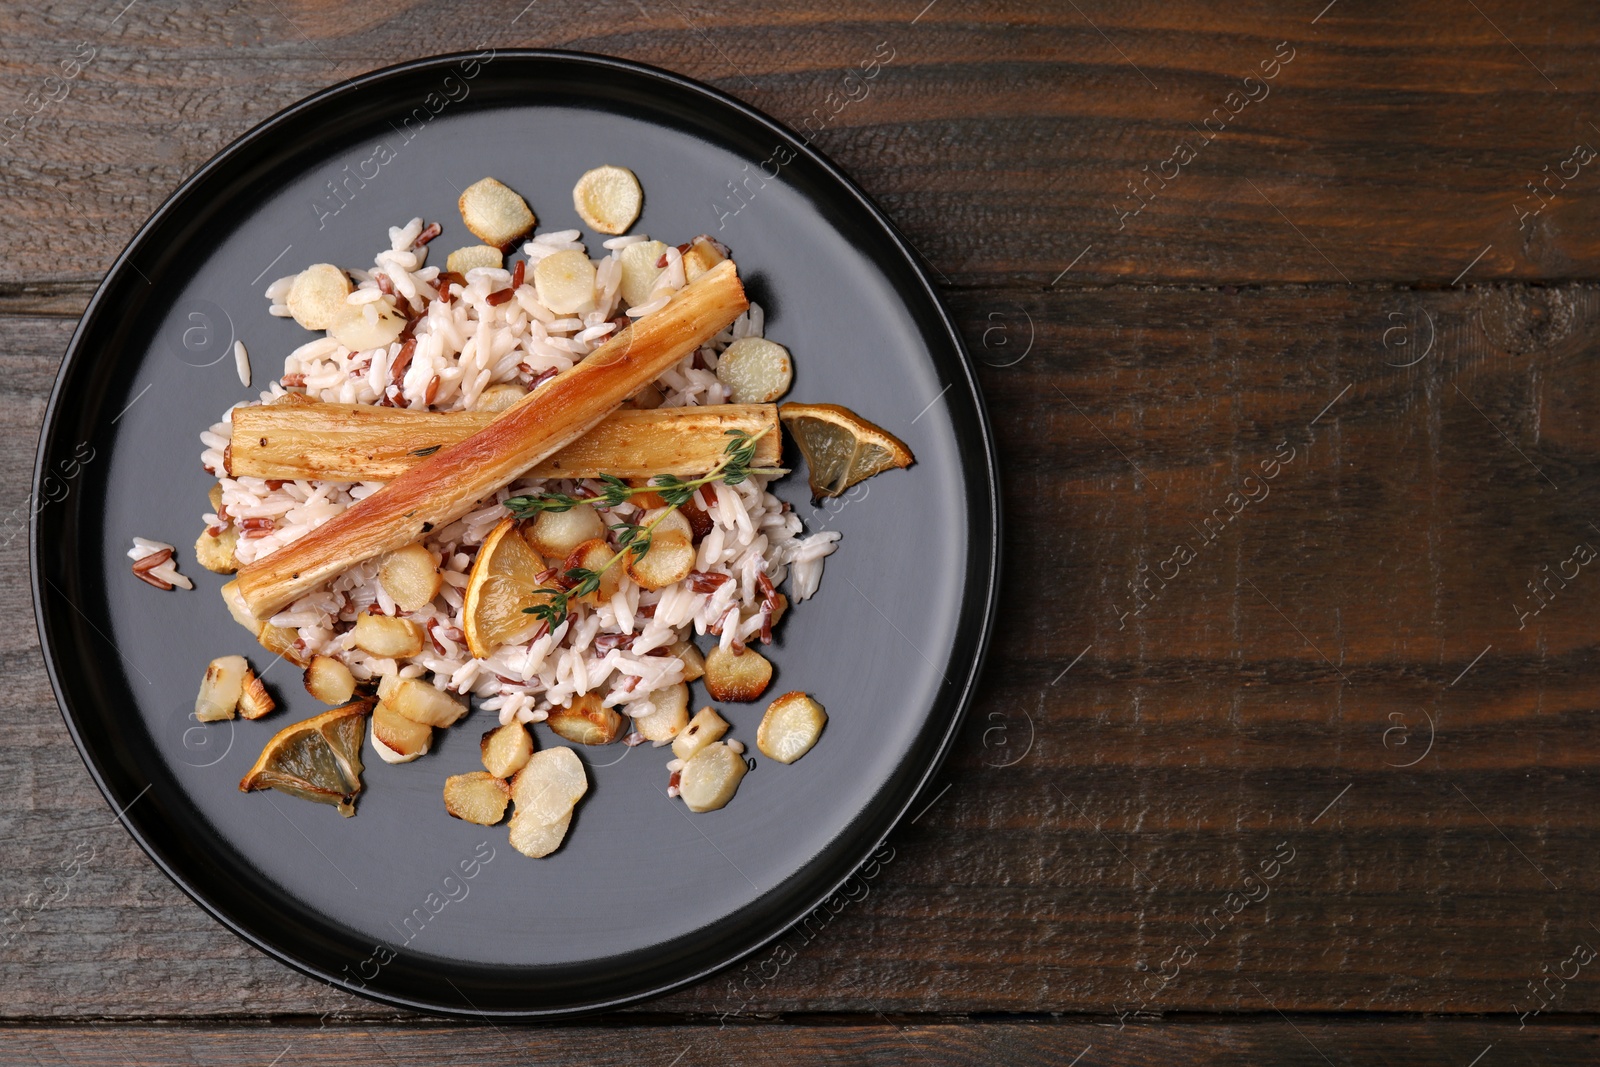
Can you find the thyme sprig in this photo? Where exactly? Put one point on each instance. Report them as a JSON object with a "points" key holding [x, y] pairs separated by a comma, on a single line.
{"points": [[733, 468]]}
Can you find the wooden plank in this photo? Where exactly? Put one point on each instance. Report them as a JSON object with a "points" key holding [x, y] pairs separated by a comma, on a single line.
{"points": [[1397, 144], [1283, 1041], [1122, 774]]}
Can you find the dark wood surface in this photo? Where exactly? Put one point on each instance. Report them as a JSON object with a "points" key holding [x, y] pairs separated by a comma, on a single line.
{"points": [[1337, 673]]}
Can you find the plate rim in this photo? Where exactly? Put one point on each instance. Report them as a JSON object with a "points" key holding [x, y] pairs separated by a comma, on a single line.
{"points": [[985, 536]]}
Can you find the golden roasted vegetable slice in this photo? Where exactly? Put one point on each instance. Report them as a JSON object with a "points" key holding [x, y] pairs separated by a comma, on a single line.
{"points": [[734, 676], [214, 552], [360, 327], [706, 726], [220, 688], [476, 797], [318, 295], [505, 579], [318, 759], [565, 281], [671, 714], [694, 664], [536, 839], [494, 213], [384, 635], [790, 727], [755, 370], [586, 721], [608, 199], [841, 448], [710, 777], [549, 784], [593, 555], [639, 271], [421, 701], [669, 559], [396, 738], [254, 700], [554, 534], [329, 680], [410, 576], [703, 254], [506, 749], [464, 259]]}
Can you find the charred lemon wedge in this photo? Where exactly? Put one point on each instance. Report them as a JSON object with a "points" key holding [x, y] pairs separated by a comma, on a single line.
{"points": [[504, 581], [841, 448], [318, 759]]}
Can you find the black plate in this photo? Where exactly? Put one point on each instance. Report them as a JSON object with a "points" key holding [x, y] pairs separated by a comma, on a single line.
{"points": [[643, 897]]}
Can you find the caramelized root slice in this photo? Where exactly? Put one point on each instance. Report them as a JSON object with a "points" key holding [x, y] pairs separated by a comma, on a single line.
{"points": [[254, 700], [694, 664], [706, 726], [476, 797], [565, 281], [608, 199], [586, 721], [755, 370], [387, 637], [411, 577], [536, 839], [214, 552], [557, 533], [592, 555], [710, 777], [220, 688], [360, 327], [639, 271], [736, 677], [318, 295], [704, 253], [790, 727], [420, 701], [506, 749], [464, 259], [329, 680], [549, 784], [670, 559], [670, 716], [494, 213], [403, 739]]}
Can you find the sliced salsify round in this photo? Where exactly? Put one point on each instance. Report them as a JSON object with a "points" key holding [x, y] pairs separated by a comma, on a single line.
{"points": [[608, 199], [841, 448]]}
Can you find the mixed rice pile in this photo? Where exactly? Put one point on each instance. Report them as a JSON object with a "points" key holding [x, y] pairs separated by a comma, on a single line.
{"points": [[466, 343]]}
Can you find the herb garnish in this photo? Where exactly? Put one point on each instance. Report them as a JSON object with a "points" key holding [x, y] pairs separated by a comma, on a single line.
{"points": [[733, 468]]}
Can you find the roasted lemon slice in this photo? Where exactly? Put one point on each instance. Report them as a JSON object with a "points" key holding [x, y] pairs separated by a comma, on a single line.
{"points": [[841, 448], [318, 759], [504, 580]]}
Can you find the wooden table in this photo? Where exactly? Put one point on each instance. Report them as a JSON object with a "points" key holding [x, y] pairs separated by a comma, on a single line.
{"points": [[1285, 315]]}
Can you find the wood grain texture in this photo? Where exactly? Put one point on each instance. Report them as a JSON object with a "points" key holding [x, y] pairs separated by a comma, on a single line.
{"points": [[1396, 145], [1337, 674], [1281, 1041]]}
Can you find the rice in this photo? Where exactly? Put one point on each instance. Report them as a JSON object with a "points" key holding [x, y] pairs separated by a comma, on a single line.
{"points": [[463, 347]]}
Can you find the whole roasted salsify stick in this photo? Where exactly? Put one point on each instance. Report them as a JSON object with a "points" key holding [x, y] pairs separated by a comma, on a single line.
{"points": [[448, 483], [368, 443]]}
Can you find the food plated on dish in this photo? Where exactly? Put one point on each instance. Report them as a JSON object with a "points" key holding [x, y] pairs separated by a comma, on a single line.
{"points": [[528, 481]]}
